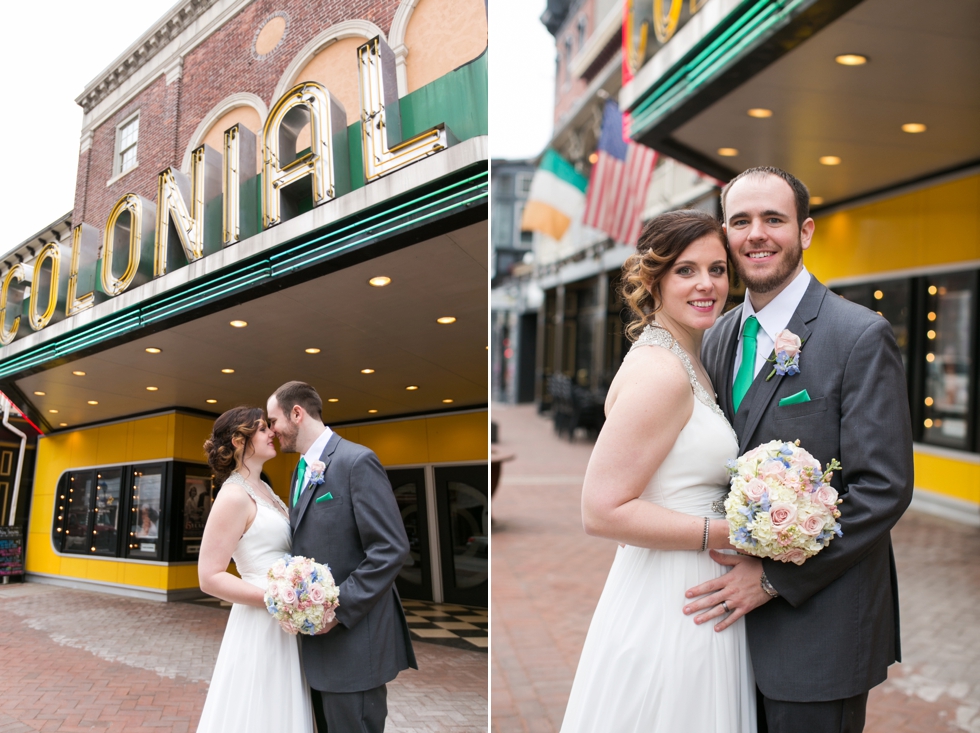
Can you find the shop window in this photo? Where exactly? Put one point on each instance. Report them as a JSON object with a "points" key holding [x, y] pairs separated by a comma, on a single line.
{"points": [[145, 538], [195, 491], [950, 306], [127, 135]]}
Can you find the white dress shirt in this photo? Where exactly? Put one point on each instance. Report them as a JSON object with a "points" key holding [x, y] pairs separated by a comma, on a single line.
{"points": [[315, 451], [773, 318]]}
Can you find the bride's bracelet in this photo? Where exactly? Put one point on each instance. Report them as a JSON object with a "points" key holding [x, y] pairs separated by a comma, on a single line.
{"points": [[704, 540]]}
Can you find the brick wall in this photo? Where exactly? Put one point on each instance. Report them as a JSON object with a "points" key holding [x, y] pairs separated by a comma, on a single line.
{"points": [[222, 65]]}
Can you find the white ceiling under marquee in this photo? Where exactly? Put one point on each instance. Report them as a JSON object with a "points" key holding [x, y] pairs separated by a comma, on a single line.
{"points": [[392, 330]]}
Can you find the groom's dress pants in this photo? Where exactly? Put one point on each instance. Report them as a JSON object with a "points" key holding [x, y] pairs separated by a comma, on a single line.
{"points": [[351, 712], [834, 716]]}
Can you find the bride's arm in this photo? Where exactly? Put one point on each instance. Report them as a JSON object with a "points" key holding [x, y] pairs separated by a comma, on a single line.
{"points": [[650, 401], [231, 515]]}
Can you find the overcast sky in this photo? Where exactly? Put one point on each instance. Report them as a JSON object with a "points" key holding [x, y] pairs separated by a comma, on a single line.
{"points": [[522, 79], [50, 52]]}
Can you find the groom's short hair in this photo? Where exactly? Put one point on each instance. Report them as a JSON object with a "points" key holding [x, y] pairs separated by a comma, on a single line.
{"points": [[299, 393], [801, 195]]}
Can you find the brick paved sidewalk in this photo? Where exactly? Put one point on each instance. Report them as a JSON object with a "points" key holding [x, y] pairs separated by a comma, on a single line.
{"points": [[75, 661], [548, 574]]}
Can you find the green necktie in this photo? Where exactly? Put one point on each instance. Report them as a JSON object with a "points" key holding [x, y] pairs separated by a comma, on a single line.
{"points": [[746, 370], [300, 473]]}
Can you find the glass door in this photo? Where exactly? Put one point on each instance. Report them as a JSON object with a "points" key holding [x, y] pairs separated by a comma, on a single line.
{"points": [[462, 496], [415, 578]]}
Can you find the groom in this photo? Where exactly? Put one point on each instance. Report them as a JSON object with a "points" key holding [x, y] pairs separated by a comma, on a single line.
{"points": [[821, 634], [343, 513]]}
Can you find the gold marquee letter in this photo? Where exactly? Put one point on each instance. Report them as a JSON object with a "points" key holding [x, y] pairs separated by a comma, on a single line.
{"points": [[13, 300], [326, 163], [239, 169], [173, 193], [55, 286], [381, 127], [130, 224], [83, 237]]}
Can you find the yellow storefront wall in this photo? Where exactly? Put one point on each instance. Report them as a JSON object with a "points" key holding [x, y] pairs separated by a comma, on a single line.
{"points": [[446, 439], [932, 227]]}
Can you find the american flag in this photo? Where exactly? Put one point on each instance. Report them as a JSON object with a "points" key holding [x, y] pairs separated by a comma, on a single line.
{"points": [[620, 177]]}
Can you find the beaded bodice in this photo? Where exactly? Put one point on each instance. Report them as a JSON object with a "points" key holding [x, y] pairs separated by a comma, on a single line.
{"points": [[281, 509], [267, 539], [656, 335]]}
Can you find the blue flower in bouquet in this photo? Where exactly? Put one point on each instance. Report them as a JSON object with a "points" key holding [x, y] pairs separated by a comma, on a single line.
{"points": [[764, 501], [748, 512], [743, 535], [732, 466], [837, 530]]}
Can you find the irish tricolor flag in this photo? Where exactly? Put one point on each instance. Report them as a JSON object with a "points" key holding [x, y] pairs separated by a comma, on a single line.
{"points": [[557, 197]]}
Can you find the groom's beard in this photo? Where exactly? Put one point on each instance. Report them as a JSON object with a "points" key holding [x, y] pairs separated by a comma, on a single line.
{"points": [[770, 283], [287, 441]]}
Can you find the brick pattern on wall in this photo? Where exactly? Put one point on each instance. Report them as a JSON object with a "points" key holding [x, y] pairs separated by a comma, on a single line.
{"points": [[222, 65]]}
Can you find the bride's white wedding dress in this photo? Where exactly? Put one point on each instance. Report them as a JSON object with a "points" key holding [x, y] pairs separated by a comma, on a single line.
{"points": [[646, 667], [258, 683]]}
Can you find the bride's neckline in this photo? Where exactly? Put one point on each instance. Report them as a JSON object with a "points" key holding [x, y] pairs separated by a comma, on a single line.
{"points": [[278, 507]]}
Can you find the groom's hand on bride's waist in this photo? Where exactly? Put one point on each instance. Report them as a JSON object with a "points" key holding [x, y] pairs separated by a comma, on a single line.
{"points": [[739, 590]]}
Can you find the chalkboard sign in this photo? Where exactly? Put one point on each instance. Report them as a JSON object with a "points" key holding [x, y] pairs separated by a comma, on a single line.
{"points": [[11, 551]]}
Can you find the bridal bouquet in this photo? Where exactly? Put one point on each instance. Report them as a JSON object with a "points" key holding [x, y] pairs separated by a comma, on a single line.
{"points": [[781, 504], [301, 594]]}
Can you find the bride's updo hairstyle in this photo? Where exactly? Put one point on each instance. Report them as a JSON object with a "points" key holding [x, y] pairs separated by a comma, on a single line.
{"points": [[223, 455], [663, 239]]}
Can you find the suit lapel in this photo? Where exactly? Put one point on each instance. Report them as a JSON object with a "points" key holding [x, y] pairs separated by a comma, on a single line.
{"points": [[729, 344], [761, 392], [305, 496]]}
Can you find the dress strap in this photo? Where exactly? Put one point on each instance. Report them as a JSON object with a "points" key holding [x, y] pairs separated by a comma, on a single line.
{"points": [[237, 478]]}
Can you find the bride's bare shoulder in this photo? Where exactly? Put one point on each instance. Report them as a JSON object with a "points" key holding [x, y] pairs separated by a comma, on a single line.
{"points": [[651, 374]]}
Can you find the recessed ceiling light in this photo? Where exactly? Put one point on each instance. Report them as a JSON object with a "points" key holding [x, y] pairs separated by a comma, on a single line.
{"points": [[93, 402], [594, 158], [829, 160], [816, 200], [152, 389], [238, 324], [332, 399], [727, 152], [372, 411], [913, 127], [53, 412], [152, 350], [63, 424], [40, 394], [760, 113], [447, 401], [412, 387], [445, 320], [851, 59], [79, 374], [380, 281], [312, 351], [367, 371], [227, 371], [211, 402]]}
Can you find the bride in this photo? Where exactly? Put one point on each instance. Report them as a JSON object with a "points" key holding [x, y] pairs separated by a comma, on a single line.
{"points": [[258, 683], [657, 466]]}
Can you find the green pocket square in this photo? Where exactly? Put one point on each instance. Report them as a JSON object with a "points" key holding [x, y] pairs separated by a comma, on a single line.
{"points": [[325, 497], [795, 399]]}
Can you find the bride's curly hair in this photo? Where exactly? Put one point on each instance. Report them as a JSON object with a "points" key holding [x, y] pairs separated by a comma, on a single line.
{"points": [[661, 242], [222, 453]]}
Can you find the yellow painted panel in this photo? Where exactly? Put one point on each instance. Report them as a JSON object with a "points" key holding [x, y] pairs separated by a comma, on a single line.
{"points": [[458, 437], [84, 447], [113, 445], [958, 479], [153, 438], [40, 558], [106, 572], [353, 434], [935, 226], [181, 576], [279, 471], [397, 442], [74, 567], [191, 433], [148, 576]]}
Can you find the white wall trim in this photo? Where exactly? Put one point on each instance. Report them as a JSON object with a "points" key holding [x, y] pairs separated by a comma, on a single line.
{"points": [[348, 29], [117, 589], [399, 28], [226, 105], [947, 507]]}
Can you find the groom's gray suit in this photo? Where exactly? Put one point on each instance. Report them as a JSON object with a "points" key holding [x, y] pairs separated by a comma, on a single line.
{"points": [[833, 630], [352, 523]]}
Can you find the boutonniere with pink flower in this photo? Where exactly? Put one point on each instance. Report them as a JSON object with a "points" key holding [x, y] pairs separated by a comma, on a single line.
{"points": [[316, 472], [786, 355]]}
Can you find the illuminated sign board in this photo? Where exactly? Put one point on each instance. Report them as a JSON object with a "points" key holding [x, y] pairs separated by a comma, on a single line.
{"points": [[144, 240], [665, 16]]}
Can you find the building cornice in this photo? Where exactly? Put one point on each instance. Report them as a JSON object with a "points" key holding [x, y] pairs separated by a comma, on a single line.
{"points": [[142, 50]]}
